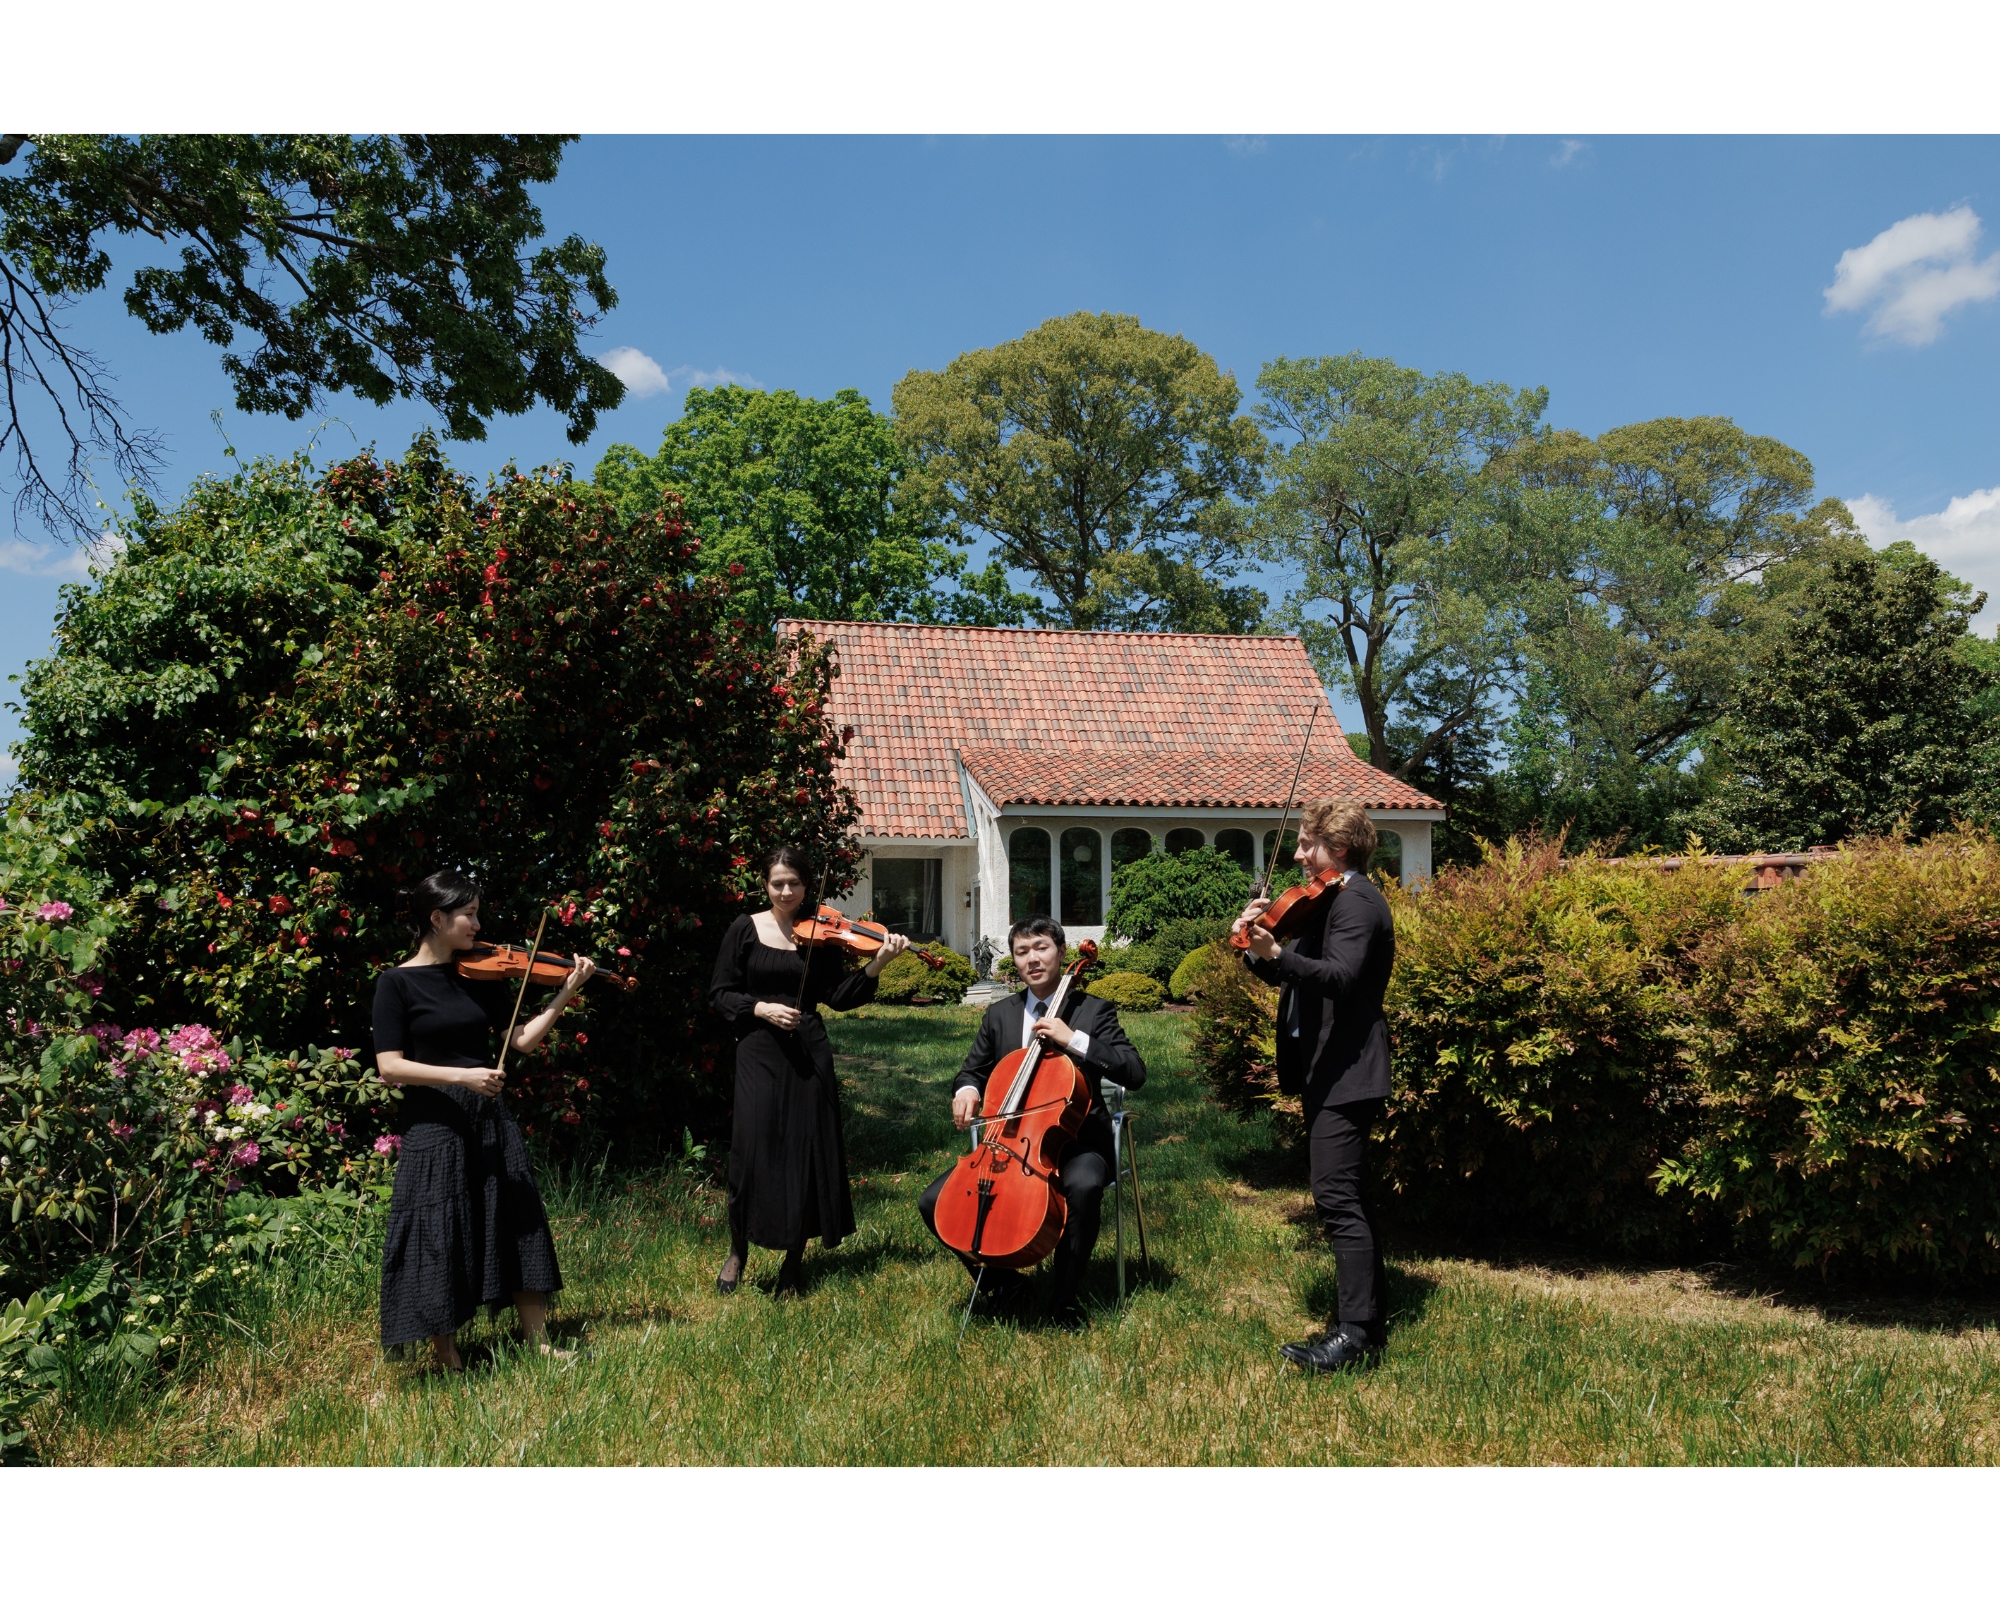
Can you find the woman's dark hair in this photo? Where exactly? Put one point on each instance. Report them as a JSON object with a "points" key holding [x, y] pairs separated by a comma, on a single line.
{"points": [[786, 855], [444, 890]]}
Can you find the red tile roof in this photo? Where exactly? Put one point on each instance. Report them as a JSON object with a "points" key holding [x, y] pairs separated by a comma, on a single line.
{"points": [[1159, 719]]}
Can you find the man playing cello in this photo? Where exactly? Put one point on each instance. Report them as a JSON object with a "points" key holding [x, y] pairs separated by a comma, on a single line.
{"points": [[1092, 1039], [1333, 1052]]}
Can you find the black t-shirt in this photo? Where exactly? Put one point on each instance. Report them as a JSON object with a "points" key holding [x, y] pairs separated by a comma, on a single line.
{"points": [[434, 1017]]}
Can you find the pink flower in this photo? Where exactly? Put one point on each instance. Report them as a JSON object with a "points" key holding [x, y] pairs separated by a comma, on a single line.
{"points": [[105, 1033], [240, 1095], [142, 1040], [54, 911], [342, 1053], [232, 1185], [122, 1130], [388, 1144], [116, 1070], [91, 986], [337, 1129], [245, 1154]]}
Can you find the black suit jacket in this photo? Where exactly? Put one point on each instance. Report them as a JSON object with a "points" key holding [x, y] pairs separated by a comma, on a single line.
{"points": [[1111, 1055], [1335, 974]]}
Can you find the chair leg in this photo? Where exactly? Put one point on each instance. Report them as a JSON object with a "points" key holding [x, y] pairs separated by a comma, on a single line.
{"points": [[1118, 1202], [970, 1301], [1138, 1207]]}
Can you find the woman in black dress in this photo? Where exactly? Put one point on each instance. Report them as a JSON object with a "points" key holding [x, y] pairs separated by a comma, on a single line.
{"points": [[787, 1163], [466, 1225]]}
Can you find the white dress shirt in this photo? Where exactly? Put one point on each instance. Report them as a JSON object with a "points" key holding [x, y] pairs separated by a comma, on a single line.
{"points": [[1079, 1041]]}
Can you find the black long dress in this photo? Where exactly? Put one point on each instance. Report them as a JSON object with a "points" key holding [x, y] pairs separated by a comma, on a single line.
{"points": [[787, 1160], [466, 1224]]}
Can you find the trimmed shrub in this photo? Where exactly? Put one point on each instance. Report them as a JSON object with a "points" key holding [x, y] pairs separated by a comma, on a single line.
{"points": [[1129, 991], [1197, 969], [906, 978], [1177, 940], [1844, 1045], [1534, 1015], [1155, 890], [1128, 958], [1235, 1045]]}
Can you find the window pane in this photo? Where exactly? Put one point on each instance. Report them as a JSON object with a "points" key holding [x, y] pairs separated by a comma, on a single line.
{"points": [[909, 898], [1291, 844], [1027, 874], [1284, 871], [1182, 840], [1388, 854], [1237, 844], [1130, 844], [1082, 877]]}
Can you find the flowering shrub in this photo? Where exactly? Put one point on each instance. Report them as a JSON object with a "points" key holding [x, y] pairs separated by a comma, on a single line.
{"points": [[295, 692]]}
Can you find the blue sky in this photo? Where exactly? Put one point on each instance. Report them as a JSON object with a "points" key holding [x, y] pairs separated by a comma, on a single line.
{"points": [[1635, 277]]}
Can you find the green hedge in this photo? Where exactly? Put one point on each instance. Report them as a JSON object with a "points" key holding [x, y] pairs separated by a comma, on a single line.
{"points": [[1129, 991], [906, 978], [1653, 1059]]}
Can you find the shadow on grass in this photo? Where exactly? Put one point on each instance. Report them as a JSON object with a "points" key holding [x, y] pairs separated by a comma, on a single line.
{"points": [[1409, 1292]]}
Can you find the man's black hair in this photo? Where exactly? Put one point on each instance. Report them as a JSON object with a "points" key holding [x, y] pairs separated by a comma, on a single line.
{"points": [[1034, 927]]}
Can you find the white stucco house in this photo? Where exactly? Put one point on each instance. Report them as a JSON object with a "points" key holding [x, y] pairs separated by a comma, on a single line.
{"points": [[1006, 771]]}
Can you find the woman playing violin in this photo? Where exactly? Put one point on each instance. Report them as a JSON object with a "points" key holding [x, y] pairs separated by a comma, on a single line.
{"points": [[466, 1225], [787, 1160], [1333, 1052]]}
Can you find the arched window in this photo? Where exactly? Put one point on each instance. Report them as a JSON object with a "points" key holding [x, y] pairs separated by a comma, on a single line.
{"points": [[1128, 845], [1082, 877], [1237, 844], [1182, 840], [1027, 874]]}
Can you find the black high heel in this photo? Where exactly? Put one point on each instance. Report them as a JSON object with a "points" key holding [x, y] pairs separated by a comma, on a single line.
{"points": [[731, 1285]]}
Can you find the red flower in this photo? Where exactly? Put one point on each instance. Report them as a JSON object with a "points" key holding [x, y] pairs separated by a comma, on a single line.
{"points": [[223, 900], [736, 569], [343, 847], [280, 905], [583, 1038]]}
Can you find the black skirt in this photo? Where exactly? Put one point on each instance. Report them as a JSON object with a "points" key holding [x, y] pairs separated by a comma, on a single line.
{"points": [[466, 1224]]}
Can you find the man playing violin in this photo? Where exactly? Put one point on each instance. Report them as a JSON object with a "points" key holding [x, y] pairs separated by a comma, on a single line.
{"points": [[1093, 1040], [1333, 1052]]}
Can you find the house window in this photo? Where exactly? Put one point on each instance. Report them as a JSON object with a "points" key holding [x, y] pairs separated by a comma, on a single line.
{"points": [[1271, 843], [1027, 874], [909, 898], [1388, 854], [1082, 877], [1129, 845], [1237, 844], [1182, 840]]}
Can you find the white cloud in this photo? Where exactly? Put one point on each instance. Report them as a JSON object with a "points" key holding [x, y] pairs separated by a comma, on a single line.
{"points": [[1964, 538], [10, 769], [639, 372], [69, 562], [1567, 150], [716, 378], [1243, 144], [1914, 274]]}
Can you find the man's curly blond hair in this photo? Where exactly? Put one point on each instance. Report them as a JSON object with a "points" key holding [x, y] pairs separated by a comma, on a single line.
{"points": [[1345, 825]]}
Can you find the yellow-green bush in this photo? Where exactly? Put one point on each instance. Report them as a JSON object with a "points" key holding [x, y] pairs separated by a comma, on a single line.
{"points": [[906, 978], [1129, 991], [1845, 1046], [1654, 1059], [1197, 966]]}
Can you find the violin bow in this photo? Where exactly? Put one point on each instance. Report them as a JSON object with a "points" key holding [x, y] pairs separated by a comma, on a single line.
{"points": [[1278, 844], [533, 950], [805, 967]]}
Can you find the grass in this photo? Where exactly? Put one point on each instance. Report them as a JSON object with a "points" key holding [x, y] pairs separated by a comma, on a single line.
{"points": [[1522, 1360]]}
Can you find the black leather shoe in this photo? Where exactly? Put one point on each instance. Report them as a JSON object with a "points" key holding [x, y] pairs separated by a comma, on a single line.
{"points": [[1346, 1348], [1002, 1297]]}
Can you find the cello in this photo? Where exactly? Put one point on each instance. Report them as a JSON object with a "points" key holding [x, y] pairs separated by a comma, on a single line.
{"points": [[1003, 1204]]}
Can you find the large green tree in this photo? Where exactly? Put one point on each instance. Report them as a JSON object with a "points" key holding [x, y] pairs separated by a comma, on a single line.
{"points": [[1863, 718], [1102, 458], [1403, 549], [796, 503], [394, 266]]}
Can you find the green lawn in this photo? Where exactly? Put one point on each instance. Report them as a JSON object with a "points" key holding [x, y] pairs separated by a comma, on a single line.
{"points": [[1536, 1361]]}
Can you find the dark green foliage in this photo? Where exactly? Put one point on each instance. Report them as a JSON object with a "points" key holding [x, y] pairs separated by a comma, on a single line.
{"points": [[798, 504], [320, 687], [397, 267], [1199, 968], [1235, 1046], [906, 978], [1201, 885], [1129, 991], [1844, 1045], [1862, 720]]}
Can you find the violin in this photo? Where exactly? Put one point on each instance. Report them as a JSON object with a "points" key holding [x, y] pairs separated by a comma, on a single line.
{"points": [[1003, 1204], [496, 963], [1286, 917], [828, 926]]}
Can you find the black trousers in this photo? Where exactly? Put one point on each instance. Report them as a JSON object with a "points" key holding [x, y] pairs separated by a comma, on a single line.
{"points": [[1084, 1175], [1338, 1147]]}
